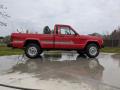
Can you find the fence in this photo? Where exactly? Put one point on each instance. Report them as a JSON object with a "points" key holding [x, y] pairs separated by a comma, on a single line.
{"points": [[112, 43]]}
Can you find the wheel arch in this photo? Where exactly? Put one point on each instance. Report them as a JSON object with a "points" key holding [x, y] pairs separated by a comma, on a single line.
{"points": [[33, 41], [92, 42]]}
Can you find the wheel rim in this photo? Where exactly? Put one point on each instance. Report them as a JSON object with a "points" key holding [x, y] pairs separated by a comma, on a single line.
{"points": [[93, 50], [32, 51]]}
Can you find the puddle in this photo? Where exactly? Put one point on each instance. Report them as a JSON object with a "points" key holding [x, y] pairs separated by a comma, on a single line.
{"points": [[65, 71]]}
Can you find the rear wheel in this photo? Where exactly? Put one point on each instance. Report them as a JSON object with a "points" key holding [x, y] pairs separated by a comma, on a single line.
{"points": [[32, 50], [92, 50]]}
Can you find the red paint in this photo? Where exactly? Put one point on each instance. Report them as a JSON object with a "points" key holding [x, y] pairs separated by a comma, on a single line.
{"points": [[55, 40]]}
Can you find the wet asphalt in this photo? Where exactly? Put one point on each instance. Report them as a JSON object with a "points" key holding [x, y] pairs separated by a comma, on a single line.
{"points": [[62, 71]]}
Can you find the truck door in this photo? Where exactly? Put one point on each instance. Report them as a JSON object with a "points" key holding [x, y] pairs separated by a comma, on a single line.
{"points": [[66, 38], [47, 41]]}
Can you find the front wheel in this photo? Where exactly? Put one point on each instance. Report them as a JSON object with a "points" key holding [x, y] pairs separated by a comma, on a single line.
{"points": [[92, 50], [32, 50]]}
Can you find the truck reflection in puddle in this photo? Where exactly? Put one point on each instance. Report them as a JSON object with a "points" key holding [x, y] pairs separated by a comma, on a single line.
{"points": [[61, 66]]}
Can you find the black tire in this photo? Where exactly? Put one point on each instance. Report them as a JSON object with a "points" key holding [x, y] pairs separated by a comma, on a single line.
{"points": [[80, 52], [32, 54], [94, 48]]}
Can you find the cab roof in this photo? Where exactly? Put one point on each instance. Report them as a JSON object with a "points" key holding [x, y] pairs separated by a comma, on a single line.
{"points": [[62, 25]]}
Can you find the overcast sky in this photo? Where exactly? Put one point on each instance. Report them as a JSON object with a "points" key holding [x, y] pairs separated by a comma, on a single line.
{"points": [[85, 16]]}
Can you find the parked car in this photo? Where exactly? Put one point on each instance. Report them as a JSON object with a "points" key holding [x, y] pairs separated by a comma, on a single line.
{"points": [[63, 37]]}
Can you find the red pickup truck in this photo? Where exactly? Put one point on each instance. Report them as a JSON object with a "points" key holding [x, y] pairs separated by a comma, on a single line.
{"points": [[63, 37]]}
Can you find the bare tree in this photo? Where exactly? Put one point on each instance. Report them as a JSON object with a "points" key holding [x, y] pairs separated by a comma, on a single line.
{"points": [[116, 34], [3, 15]]}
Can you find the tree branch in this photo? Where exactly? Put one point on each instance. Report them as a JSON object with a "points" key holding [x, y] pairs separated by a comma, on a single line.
{"points": [[3, 23]]}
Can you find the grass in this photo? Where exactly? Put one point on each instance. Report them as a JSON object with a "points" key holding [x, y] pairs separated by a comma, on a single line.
{"points": [[9, 51], [2, 44], [111, 50]]}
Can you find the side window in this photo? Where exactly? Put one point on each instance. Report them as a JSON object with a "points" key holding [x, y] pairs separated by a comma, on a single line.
{"points": [[65, 31], [72, 32]]}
